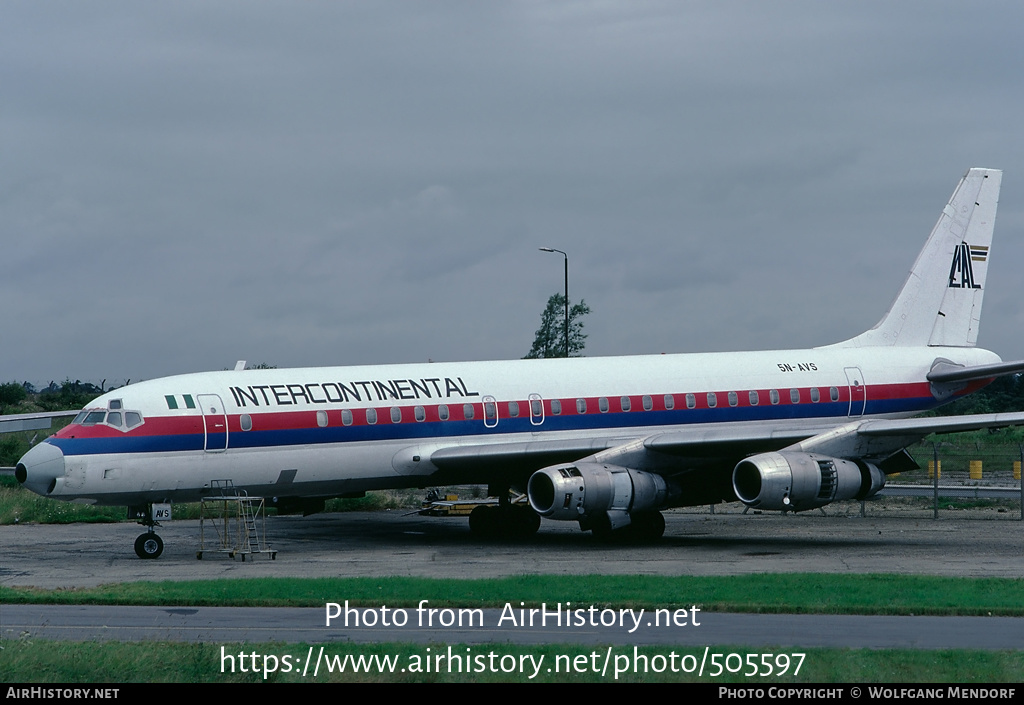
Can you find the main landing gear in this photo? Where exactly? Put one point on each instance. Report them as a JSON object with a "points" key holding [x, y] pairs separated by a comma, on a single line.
{"points": [[644, 527], [509, 520], [149, 544], [513, 521]]}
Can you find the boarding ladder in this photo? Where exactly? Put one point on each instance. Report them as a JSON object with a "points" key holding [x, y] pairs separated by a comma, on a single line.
{"points": [[239, 522]]}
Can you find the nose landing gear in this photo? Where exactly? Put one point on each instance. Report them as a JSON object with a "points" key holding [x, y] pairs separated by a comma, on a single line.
{"points": [[149, 544]]}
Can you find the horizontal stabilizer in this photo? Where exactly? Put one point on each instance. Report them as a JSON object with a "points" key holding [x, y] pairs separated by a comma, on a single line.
{"points": [[944, 372]]}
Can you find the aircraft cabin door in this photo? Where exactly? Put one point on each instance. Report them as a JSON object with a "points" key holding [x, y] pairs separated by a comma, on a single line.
{"points": [[215, 422], [858, 391], [490, 412], [536, 410]]}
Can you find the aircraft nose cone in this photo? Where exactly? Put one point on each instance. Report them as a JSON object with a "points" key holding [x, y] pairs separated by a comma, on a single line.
{"points": [[41, 468]]}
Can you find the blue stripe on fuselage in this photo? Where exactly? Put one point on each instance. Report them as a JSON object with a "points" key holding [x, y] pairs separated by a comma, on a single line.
{"points": [[412, 430]]}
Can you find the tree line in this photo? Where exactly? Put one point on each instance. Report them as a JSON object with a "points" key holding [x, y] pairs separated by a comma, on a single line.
{"points": [[23, 397]]}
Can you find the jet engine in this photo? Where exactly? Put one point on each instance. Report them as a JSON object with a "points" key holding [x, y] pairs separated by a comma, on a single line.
{"points": [[575, 491], [798, 481]]}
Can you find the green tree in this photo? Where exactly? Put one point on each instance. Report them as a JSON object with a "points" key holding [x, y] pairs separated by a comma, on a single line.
{"points": [[69, 395], [1005, 394], [11, 394], [549, 340]]}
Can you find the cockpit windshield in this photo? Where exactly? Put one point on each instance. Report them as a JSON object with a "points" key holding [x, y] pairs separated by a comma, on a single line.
{"points": [[94, 417], [121, 420]]}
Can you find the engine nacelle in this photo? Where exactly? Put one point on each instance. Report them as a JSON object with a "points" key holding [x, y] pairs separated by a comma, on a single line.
{"points": [[798, 481], [574, 491]]}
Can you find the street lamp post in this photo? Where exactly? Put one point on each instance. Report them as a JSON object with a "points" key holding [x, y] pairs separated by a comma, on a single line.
{"points": [[551, 249]]}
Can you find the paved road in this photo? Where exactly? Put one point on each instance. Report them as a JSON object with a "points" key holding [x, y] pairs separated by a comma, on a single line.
{"points": [[390, 543], [294, 625]]}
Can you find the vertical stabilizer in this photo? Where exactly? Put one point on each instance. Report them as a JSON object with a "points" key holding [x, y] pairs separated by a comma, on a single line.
{"points": [[940, 303]]}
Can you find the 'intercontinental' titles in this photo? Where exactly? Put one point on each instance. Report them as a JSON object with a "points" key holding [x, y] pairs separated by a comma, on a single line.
{"points": [[342, 392]]}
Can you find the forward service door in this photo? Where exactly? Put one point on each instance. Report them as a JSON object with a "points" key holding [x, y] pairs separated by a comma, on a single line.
{"points": [[215, 422]]}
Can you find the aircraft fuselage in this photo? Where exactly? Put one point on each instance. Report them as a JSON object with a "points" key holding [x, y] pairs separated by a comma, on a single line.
{"points": [[338, 430]]}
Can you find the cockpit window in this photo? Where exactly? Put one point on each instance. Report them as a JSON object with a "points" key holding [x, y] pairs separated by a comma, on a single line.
{"points": [[121, 420], [114, 404], [94, 417]]}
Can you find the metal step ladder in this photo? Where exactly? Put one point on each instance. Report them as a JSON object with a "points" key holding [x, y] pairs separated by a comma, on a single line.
{"points": [[238, 520]]}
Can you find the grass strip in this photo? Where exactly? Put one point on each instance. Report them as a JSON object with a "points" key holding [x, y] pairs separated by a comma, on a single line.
{"points": [[41, 661], [788, 593]]}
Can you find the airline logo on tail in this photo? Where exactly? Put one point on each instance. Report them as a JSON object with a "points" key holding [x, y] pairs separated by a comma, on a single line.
{"points": [[961, 272]]}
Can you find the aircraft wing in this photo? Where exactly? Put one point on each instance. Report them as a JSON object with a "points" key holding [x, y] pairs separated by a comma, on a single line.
{"points": [[529, 454], [655, 450], [861, 438], [873, 438], [31, 422]]}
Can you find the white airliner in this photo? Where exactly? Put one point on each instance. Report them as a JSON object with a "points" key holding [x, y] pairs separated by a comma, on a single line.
{"points": [[607, 442]]}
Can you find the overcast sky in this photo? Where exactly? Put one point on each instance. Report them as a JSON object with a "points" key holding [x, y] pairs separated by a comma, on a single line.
{"points": [[186, 184]]}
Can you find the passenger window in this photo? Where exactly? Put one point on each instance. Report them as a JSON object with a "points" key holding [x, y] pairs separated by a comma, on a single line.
{"points": [[712, 400], [648, 404], [581, 406], [624, 401], [371, 416], [733, 399], [833, 393], [602, 405], [420, 413], [815, 396], [536, 409], [321, 419], [490, 410], [556, 407], [774, 396], [346, 417], [754, 398], [670, 402], [442, 412], [245, 421], [691, 401], [396, 414], [513, 409], [467, 412], [794, 396]]}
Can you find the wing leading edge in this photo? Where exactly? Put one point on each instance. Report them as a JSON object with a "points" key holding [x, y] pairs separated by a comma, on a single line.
{"points": [[31, 422]]}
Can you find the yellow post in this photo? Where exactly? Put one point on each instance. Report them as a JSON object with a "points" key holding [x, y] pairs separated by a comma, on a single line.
{"points": [[931, 469], [975, 470], [1016, 469]]}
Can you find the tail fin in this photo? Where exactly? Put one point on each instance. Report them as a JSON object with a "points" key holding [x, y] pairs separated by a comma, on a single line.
{"points": [[940, 303]]}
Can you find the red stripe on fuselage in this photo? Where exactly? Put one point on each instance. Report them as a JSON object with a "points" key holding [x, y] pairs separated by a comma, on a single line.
{"points": [[192, 423]]}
